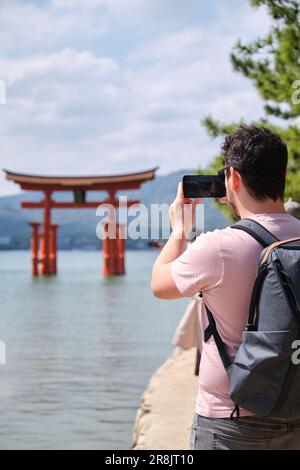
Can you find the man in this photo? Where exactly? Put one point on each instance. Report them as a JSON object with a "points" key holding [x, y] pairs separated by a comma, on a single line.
{"points": [[222, 265]]}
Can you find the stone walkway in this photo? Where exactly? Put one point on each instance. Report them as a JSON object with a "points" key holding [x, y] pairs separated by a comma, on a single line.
{"points": [[165, 415]]}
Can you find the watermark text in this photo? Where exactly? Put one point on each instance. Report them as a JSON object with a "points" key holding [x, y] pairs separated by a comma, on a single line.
{"points": [[2, 353], [2, 92]]}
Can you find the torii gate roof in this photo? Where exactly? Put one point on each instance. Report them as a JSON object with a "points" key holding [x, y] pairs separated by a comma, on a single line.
{"points": [[89, 183]]}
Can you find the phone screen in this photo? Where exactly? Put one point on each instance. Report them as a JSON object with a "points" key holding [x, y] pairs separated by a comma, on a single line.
{"points": [[203, 186]]}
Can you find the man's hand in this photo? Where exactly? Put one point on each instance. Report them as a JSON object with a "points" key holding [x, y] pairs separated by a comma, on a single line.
{"points": [[182, 213]]}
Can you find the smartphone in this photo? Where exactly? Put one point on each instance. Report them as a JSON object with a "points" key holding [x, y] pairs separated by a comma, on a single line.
{"points": [[203, 186]]}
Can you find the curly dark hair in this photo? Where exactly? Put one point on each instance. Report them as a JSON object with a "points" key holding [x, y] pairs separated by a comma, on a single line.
{"points": [[260, 156]]}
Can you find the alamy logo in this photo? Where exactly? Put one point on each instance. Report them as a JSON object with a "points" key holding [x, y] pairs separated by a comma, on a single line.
{"points": [[2, 92], [143, 222], [2, 353], [296, 354], [296, 94]]}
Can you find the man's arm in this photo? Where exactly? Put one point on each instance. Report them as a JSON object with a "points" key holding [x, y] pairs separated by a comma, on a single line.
{"points": [[182, 213], [162, 283]]}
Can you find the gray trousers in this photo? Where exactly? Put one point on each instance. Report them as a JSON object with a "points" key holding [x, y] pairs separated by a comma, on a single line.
{"points": [[248, 433]]}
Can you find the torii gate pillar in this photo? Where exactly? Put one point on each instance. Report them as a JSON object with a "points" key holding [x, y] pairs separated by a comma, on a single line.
{"points": [[114, 252], [46, 234]]}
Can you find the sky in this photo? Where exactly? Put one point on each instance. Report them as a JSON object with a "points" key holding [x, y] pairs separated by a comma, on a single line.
{"points": [[111, 86]]}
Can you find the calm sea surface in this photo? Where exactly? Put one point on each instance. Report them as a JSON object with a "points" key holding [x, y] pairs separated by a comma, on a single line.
{"points": [[80, 350]]}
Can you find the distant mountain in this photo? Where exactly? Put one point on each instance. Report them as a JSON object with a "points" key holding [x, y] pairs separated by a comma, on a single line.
{"points": [[77, 228]]}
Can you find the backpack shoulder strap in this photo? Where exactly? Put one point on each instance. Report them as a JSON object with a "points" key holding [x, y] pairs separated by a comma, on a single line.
{"points": [[211, 330], [256, 230]]}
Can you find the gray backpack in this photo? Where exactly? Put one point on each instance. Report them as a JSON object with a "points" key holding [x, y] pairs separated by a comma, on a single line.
{"points": [[265, 376]]}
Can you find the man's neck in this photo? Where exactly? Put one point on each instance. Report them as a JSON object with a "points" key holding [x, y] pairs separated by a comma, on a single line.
{"points": [[266, 207]]}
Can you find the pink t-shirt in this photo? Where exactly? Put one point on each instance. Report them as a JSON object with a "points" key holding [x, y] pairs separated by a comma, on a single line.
{"points": [[223, 265]]}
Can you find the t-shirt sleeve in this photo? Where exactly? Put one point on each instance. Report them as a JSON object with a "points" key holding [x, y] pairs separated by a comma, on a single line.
{"points": [[200, 267]]}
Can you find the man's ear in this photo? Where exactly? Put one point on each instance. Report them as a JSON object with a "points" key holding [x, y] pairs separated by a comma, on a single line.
{"points": [[235, 179]]}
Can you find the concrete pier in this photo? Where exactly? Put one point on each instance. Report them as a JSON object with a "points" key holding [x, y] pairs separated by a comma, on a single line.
{"points": [[166, 411]]}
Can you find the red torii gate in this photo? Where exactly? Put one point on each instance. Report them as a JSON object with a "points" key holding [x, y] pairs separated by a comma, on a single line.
{"points": [[43, 243]]}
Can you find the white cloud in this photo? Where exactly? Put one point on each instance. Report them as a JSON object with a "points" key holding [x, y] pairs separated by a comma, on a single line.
{"points": [[179, 46], [25, 25], [135, 10], [232, 106], [74, 110], [113, 5], [67, 63], [61, 89]]}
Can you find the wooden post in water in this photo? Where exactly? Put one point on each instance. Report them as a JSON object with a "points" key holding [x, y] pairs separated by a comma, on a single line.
{"points": [[121, 248], [45, 255], [105, 250], [113, 248], [53, 248], [113, 251], [34, 248]]}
